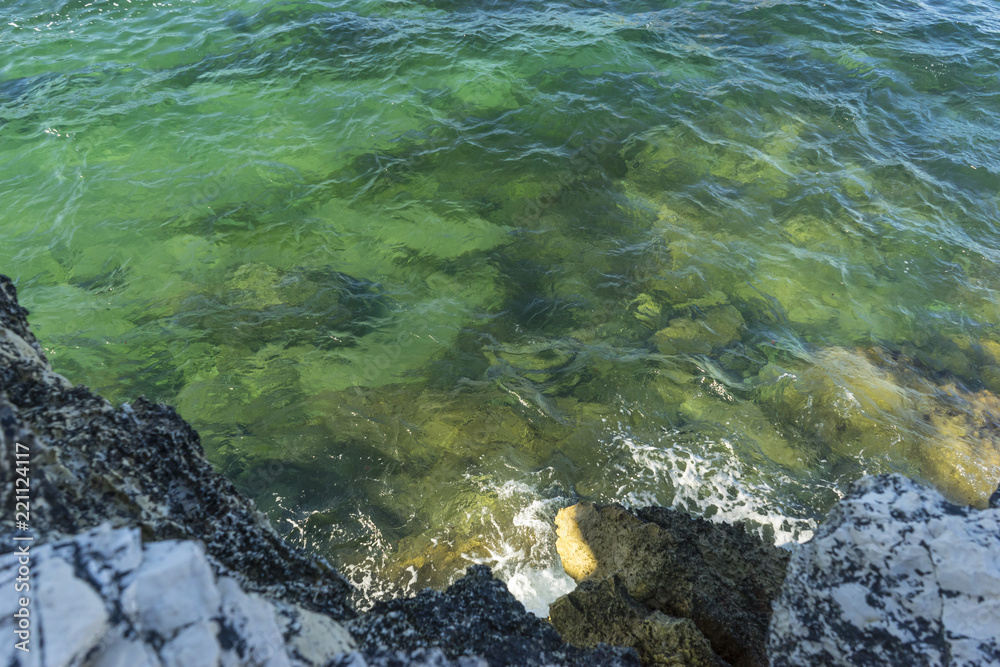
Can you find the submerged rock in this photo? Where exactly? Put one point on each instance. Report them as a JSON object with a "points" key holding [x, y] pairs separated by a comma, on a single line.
{"points": [[717, 575], [854, 403], [715, 328], [896, 575], [321, 307]]}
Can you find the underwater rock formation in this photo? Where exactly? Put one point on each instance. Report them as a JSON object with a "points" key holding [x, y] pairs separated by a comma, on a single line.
{"points": [[896, 575], [719, 576], [845, 402]]}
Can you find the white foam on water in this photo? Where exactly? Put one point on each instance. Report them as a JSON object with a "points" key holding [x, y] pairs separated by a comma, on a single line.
{"points": [[712, 482], [537, 588], [533, 573]]}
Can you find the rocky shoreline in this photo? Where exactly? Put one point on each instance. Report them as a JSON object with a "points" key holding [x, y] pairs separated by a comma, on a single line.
{"points": [[130, 549]]}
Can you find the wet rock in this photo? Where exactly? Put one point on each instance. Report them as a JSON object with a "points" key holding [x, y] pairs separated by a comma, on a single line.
{"points": [[550, 367], [646, 310], [605, 612], [476, 615], [145, 556], [895, 575], [261, 304], [717, 575]]}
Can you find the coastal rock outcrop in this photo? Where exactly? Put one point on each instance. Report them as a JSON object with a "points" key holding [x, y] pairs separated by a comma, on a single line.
{"points": [[666, 565], [138, 465], [136, 552], [604, 611], [895, 575], [139, 553]]}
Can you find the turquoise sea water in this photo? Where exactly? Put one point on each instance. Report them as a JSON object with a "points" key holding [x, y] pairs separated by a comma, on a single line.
{"points": [[422, 273]]}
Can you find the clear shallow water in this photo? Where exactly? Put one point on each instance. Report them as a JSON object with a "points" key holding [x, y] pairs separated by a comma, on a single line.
{"points": [[421, 274]]}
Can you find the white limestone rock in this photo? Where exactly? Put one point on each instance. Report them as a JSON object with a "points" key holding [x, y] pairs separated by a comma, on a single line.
{"points": [[895, 575], [104, 599], [249, 629], [71, 614], [106, 554], [174, 587], [196, 644], [122, 652], [312, 638], [10, 656]]}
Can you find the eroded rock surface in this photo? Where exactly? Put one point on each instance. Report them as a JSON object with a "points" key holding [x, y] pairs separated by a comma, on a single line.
{"points": [[895, 575], [604, 611], [717, 575]]}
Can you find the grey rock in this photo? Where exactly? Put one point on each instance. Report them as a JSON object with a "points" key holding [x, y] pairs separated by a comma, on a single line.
{"points": [[310, 637], [164, 607], [895, 575]]}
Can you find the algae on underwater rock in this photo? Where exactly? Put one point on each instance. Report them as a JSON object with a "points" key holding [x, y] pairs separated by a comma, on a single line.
{"points": [[717, 327], [850, 406]]}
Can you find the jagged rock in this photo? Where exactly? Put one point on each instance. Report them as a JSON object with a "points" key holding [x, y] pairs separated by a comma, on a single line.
{"points": [[103, 598], [718, 575], [475, 615], [605, 612], [138, 464], [895, 575]]}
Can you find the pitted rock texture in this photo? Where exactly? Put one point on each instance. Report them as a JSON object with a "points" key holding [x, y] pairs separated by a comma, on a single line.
{"points": [[604, 611], [475, 615], [718, 575], [103, 598], [895, 575], [136, 465]]}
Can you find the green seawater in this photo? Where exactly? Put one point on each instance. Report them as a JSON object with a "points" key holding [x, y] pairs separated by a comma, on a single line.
{"points": [[422, 273]]}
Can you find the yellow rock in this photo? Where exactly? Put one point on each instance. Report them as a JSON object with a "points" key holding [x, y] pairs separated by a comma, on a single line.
{"points": [[577, 557]]}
